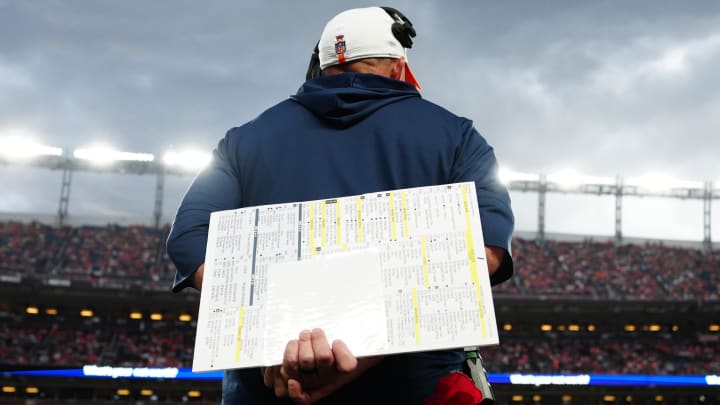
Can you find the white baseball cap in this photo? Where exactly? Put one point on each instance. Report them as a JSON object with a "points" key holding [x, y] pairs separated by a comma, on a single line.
{"points": [[362, 33]]}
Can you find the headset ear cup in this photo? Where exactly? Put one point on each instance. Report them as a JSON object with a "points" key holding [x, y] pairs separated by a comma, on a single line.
{"points": [[402, 29], [410, 31], [313, 70], [404, 34]]}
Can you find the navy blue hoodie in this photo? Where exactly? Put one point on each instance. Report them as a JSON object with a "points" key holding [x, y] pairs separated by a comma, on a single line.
{"points": [[341, 135]]}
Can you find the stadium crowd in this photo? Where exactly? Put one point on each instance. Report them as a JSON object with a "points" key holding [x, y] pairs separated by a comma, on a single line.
{"points": [[38, 340], [108, 257], [138, 343], [602, 270], [610, 353], [134, 257]]}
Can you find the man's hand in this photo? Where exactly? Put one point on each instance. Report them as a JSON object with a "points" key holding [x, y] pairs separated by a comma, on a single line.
{"points": [[495, 256], [198, 277], [310, 358], [312, 369]]}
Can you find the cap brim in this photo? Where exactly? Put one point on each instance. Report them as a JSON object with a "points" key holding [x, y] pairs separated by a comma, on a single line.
{"points": [[410, 77]]}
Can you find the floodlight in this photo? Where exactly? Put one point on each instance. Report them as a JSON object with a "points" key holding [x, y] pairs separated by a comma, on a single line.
{"points": [[660, 181], [507, 176], [188, 159], [103, 155], [17, 148], [571, 178]]}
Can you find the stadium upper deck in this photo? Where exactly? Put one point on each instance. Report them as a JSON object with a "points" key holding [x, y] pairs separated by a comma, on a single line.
{"points": [[114, 256]]}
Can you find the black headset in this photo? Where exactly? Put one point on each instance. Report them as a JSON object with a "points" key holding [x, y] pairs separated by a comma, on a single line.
{"points": [[402, 30]]}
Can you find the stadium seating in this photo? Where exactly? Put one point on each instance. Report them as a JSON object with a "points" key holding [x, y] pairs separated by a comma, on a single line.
{"points": [[134, 257], [53, 341], [107, 257], [47, 341], [602, 271], [609, 353]]}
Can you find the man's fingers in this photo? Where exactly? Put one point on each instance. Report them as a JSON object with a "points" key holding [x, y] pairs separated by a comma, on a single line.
{"points": [[306, 356], [296, 393], [290, 359], [281, 386], [324, 358], [344, 359], [268, 377]]}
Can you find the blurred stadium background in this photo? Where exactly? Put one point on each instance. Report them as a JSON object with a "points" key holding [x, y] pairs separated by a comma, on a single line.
{"points": [[86, 316]]}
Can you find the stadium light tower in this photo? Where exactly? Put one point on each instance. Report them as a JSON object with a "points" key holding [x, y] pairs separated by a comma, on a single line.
{"points": [[98, 156], [508, 176], [104, 155], [569, 179], [661, 182], [20, 150], [707, 204], [619, 186], [649, 185], [187, 160], [16, 148]]}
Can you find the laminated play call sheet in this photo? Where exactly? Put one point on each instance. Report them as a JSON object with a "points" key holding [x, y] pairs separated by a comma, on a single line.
{"points": [[388, 272]]}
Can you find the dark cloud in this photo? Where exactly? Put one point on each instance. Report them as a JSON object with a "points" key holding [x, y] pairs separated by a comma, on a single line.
{"points": [[604, 87]]}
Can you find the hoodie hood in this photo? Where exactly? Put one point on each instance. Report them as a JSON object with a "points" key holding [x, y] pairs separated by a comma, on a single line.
{"points": [[347, 98]]}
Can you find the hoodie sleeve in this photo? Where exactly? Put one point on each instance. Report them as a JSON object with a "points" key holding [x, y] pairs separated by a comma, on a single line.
{"points": [[216, 188], [475, 161]]}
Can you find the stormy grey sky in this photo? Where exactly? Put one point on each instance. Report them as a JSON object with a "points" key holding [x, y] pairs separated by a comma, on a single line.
{"points": [[605, 88]]}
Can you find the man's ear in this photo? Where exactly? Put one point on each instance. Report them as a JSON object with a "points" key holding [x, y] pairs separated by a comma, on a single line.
{"points": [[397, 71]]}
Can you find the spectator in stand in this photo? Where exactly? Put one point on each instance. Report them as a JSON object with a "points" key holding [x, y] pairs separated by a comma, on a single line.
{"points": [[614, 355], [601, 270], [134, 257], [43, 341]]}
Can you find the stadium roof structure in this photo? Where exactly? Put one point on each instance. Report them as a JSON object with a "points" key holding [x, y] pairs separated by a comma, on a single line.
{"points": [[106, 160], [619, 187]]}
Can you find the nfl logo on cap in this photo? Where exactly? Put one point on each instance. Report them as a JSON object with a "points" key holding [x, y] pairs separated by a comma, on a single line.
{"points": [[340, 48], [340, 44]]}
